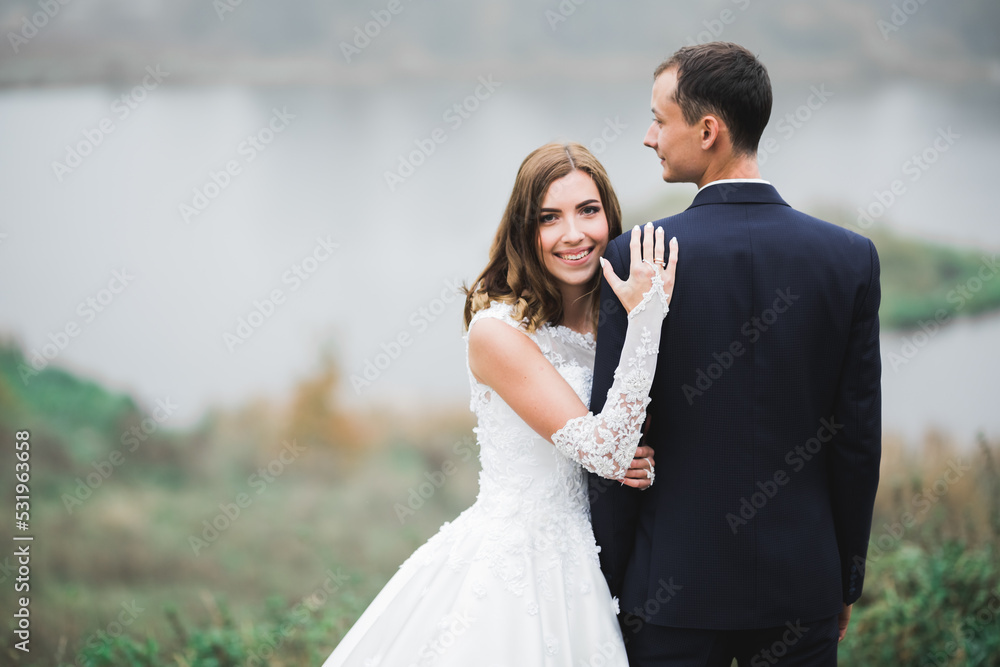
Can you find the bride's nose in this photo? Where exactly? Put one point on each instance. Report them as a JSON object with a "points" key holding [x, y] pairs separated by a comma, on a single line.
{"points": [[573, 232]]}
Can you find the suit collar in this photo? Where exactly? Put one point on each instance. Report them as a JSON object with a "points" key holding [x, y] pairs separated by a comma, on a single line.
{"points": [[738, 193]]}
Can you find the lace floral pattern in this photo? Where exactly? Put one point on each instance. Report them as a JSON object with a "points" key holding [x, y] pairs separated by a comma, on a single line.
{"points": [[605, 444]]}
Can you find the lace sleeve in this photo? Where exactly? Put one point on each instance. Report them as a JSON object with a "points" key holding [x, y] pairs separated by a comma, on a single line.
{"points": [[605, 443]]}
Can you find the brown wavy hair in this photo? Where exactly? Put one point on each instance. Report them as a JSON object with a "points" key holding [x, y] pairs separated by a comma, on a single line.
{"points": [[515, 273]]}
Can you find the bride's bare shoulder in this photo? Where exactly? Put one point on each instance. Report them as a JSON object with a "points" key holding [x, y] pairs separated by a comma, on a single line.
{"points": [[499, 344]]}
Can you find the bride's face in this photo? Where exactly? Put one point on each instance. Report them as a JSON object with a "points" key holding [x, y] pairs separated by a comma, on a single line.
{"points": [[572, 229]]}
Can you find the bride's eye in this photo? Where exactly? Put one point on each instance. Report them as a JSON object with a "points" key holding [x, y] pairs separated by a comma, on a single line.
{"points": [[591, 210], [547, 217]]}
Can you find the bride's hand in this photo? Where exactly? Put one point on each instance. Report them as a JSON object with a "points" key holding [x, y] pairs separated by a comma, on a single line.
{"points": [[646, 261]]}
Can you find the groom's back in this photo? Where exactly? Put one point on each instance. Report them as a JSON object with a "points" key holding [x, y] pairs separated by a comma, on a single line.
{"points": [[744, 415]]}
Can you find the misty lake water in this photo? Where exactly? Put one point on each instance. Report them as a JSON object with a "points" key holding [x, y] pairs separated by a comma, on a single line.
{"points": [[273, 207]]}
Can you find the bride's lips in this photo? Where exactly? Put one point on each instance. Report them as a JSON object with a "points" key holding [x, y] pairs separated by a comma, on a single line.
{"points": [[575, 262]]}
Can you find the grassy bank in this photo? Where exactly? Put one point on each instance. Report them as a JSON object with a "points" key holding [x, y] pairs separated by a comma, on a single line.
{"points": [[288, 577]]}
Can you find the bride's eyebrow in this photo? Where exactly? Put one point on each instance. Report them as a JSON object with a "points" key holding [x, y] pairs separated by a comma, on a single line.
{"points": [[580, 205]]}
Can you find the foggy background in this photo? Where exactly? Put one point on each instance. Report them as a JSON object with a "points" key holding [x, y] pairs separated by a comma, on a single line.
{"points": [[237, 224]]}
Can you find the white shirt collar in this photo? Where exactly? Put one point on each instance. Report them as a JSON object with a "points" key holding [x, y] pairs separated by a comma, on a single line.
{"points": [[734, 180]]}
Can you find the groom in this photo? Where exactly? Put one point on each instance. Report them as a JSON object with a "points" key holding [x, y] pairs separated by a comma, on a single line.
{"points": [[766, 403]]}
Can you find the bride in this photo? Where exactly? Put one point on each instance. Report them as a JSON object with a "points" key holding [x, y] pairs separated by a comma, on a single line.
{"points": [[515, 579]]}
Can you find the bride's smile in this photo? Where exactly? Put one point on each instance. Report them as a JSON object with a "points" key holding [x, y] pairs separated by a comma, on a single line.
{"points": [[574, 258]]}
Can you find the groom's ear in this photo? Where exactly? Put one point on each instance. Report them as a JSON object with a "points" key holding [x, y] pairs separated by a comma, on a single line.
{"points": [[710, 128]]}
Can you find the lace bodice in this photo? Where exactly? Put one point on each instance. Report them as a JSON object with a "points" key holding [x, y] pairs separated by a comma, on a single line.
{"points": [[520, 468], [604, 443]]}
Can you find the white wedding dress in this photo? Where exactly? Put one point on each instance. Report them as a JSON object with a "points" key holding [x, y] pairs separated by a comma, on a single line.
{"points": [[514, 580]]}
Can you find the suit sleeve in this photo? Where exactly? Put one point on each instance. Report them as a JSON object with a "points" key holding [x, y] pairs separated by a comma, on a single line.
{"points": [[854, 464], [613, 507]]}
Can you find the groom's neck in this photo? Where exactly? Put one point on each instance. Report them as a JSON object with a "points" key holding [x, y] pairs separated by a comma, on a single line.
{"points": [[733, 166]]}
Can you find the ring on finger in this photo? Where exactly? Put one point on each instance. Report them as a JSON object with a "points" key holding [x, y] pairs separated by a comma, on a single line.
{"points": [[650, 473]]}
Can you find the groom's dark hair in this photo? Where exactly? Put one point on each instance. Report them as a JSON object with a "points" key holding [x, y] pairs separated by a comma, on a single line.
{"points": [[725, 79]]}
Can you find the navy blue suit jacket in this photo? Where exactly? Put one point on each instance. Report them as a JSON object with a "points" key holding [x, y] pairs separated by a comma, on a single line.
{"points": [[765, 418]]}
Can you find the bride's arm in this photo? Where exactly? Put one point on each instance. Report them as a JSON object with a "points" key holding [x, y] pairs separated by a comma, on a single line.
{"points": [[512, 365]]}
